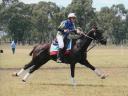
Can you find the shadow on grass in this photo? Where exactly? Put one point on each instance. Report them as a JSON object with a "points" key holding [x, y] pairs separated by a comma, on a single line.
{"points": [[62, 84], [78, 85]]}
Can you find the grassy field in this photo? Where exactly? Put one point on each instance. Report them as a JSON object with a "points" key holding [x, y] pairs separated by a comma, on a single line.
{"points": [[54, 79]]}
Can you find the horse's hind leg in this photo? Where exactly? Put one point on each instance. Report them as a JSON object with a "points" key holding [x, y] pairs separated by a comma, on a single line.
{"points": [[31, 70], [97, 71], [35, 67], [27, 66]]}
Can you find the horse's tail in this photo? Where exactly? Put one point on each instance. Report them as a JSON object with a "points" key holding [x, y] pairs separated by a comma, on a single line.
{"points": [[30, 54]]}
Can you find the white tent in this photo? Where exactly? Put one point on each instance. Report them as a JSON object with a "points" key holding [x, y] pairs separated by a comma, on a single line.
{"points": [[2, 34]]}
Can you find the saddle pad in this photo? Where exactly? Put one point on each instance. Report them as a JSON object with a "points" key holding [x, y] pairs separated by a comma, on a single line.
{"points": [[55, 47]]}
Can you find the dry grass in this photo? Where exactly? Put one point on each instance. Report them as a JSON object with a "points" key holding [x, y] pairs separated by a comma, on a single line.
{"points": [[49, 81]]}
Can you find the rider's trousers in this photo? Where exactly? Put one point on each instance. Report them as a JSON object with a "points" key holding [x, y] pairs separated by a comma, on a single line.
{"points": [[60, 40]]}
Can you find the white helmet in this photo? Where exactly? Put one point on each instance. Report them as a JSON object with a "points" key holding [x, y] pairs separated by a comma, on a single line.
{"points": [[70, 15]]}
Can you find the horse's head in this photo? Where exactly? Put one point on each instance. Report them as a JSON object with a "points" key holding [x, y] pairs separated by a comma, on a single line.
{"points": [[98, 36], [93, 35]]}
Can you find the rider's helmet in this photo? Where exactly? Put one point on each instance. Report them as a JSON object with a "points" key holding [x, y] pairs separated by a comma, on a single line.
{"points": [[71, 15]]}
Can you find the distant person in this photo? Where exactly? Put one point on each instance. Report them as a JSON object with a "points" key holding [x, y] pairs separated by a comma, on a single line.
{"points": [[13, 46]]}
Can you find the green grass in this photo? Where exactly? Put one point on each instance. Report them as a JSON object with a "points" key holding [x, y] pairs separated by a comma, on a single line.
{"points": [[56, 82]]}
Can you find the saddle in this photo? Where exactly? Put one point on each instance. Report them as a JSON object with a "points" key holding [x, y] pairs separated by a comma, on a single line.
{"points": [[55, 48]]}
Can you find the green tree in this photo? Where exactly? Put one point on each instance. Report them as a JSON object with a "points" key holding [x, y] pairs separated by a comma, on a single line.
{"points": [[44, 18], [111, 21], [19, 26]]}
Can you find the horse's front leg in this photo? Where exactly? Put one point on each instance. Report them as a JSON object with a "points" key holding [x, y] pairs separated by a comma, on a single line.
{"points": [[72, 69], [98, 72]]}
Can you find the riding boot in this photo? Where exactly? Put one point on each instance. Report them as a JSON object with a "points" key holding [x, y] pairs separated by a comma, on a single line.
{"points": [[60, 55]]}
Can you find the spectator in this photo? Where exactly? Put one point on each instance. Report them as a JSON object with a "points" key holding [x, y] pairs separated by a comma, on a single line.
{"points": [[13, 46]]}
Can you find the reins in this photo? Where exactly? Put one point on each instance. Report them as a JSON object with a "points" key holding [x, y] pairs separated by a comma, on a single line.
{"points": [[91, 47], [90, 38]]}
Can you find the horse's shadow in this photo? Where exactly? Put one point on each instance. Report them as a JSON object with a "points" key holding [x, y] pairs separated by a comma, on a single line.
{"points": [[70, 85]]}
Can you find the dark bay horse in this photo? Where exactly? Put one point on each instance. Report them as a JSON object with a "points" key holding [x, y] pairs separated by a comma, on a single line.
{"points": [[41, 55]]}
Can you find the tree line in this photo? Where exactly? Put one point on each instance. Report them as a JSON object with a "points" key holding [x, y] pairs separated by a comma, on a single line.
{"points": [[39, 22]]}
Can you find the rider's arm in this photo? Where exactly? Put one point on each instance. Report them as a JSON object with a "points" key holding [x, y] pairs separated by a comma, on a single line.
{"points": [[64, 27], [61, 28]]}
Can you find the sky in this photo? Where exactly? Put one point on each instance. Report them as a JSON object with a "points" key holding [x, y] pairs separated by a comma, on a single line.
{"points": [[58, 2], [96, 3], [101, 3]]}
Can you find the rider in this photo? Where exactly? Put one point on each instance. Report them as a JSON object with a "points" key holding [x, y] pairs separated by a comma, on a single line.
{"points": [[64, 29]]}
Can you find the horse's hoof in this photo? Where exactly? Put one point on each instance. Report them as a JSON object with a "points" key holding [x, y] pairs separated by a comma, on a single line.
{"points": [[14, 74], [104, 76], [23, 80], [74, 84]]}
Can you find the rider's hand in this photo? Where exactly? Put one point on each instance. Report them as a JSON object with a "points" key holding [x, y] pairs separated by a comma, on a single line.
{"points": [[93, 29], [79, 32], [66, 30]]}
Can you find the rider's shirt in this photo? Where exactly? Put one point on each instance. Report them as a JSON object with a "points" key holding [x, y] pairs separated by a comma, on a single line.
{"points": [[66, 24]]}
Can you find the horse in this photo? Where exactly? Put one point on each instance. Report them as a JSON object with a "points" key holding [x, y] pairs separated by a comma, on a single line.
{"points": [[78, 54]]}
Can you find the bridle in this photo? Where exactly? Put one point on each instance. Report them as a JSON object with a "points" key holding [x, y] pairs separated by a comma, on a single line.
{"points": [[95, 41]]}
